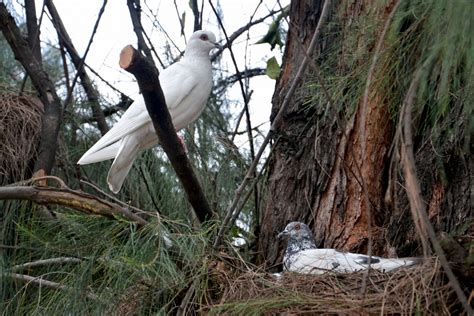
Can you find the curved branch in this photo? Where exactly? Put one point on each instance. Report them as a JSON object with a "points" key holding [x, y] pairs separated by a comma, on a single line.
{"points": [[77, 200]]}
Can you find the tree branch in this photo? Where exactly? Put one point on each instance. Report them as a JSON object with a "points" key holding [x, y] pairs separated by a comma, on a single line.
{"points": [[91, 91], [275, 123], [52, 116], [33, 29], [135, 11], [64, 196], [147, 78], [42, 282]]}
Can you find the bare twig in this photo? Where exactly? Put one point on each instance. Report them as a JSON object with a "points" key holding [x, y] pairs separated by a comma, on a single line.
{"points": [[417, 205], [276, 122], [44, 262], [43, 282], [91, 91], [81, 64], [135, 12], [239, 32]]}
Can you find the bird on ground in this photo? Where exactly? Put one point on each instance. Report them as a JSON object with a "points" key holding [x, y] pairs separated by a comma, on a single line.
{"points": [[186, 86], [302, 256]]}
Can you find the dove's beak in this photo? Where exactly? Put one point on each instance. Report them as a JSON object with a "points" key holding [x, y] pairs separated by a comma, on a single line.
{"points": [[282, 234], [217, 45]]}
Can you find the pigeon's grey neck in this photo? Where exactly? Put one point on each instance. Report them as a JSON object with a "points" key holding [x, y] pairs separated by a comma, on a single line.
{"points": [[298, 244]]}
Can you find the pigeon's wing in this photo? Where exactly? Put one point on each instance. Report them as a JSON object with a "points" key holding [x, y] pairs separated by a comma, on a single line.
{"points": [[177, 82], [184, 90], [134, 118], [315, 261]]}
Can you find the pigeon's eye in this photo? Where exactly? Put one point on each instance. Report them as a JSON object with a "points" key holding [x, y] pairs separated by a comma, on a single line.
{"points": [[297, 227], [204, 37]]}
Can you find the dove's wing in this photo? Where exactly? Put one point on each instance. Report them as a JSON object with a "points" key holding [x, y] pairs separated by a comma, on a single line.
{"points": [[177, 83]]}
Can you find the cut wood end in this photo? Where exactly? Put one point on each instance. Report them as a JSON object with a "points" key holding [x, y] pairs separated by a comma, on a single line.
{"points": [[126, 56]]}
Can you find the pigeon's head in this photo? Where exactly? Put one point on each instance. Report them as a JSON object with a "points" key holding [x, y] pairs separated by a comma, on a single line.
{"points": [[201, 43], [296, 231]]}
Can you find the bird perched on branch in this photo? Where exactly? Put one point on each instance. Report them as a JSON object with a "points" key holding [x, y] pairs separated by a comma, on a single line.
{"points": [[302, 256], [186, 86]]}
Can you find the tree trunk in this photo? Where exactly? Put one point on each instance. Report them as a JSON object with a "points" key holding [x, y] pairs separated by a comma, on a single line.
{"points": [[320, 162]]}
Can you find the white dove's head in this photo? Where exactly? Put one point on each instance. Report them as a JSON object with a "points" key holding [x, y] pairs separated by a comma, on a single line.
{"points": [[201, 43]]}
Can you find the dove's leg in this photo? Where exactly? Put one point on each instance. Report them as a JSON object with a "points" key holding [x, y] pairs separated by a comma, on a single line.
{"points": [[129, 148]]}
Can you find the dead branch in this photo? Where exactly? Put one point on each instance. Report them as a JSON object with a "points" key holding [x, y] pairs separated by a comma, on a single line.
{"points": [[275, 123], [135, 12], [246, 97], [417, 205], [53, 112], [43, 262], [43, 282], [83, 59], [64, 196], [91, 92], [147, 78]]}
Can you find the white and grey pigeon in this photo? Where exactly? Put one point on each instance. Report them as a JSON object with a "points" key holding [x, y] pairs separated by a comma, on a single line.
{"points": [[302, 256], [186, 86]]}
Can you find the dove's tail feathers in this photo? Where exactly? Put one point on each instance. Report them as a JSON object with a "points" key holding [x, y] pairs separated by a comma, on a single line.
{"points": [[388, 264], [106, 153], [129, 148]]}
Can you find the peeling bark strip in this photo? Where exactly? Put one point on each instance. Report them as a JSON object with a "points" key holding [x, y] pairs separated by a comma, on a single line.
{"points": [[77, 200], [147, 78], [52, 117]]}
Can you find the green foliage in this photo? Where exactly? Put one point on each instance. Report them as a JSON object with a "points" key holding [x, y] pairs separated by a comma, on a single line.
{"points": [[273, 69], [273, 37]]}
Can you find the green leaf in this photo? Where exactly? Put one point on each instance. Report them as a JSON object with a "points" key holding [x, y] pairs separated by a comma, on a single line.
{"points": [[273, 69]]}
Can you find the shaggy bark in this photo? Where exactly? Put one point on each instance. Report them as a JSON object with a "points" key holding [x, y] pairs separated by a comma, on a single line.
{"points": [[313, 174]]}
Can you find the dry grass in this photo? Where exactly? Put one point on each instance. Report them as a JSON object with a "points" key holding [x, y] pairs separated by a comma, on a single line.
{"points": [[416, 290], [20, 125]]}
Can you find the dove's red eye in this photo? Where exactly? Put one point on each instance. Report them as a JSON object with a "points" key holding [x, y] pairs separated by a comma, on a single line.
{"points": [[204, 37], [297, 227]]}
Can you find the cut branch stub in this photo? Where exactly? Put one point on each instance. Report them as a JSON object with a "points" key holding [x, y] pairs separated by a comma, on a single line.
{"points": [[147, 78]]}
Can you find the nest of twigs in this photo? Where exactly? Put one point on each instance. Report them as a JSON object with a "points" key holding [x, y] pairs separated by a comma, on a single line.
{"points": [[407, 291], [20, 126]]}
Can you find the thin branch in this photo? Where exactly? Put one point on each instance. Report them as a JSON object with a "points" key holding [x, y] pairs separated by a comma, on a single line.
{"points": [[276, 122], [81, 64], [239, 32], [43, 282], [414, 191], [45, 262], [135, 15], [91, 91]]}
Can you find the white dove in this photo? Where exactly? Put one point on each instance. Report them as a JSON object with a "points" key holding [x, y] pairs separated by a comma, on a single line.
{"points": [[186, 86], [302, 256]]}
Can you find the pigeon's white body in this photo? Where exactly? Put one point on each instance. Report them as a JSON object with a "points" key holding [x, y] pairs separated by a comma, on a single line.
{"points": [[302, 256], [186, 86], [319, 261]]}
